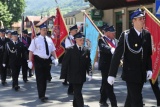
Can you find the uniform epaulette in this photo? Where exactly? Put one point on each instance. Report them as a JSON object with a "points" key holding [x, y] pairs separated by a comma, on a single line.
{"points": [[127, 31]]}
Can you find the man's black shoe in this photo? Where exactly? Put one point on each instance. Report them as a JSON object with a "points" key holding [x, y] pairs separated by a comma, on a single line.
{"points": [[17, 88], [25, 80], [70, 93], [44, 99], [65, 83], [4, 83], [30, 75], [103, 104]]}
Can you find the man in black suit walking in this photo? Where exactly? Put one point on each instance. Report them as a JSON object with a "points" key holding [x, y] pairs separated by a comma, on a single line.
{"points": [[76, 63], [14, 52], [107, 45], [135, 47], [3, 69], [26, 41]]}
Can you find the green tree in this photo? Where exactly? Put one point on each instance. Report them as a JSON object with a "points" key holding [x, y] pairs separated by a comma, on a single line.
{"points": [[5, 16], [16, 8]]}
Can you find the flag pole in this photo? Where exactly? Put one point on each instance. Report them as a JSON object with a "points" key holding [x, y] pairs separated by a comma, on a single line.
{"points": [[151, 15], [93, 23]]}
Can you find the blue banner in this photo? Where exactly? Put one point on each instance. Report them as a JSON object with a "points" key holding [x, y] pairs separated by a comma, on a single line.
{"points": [[157, 3], [91, 34]]}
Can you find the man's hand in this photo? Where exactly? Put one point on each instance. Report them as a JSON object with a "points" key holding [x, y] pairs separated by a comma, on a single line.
{"points": [[111, 80], [30, 65], [55, 61], [4, 65], [149, 74]]}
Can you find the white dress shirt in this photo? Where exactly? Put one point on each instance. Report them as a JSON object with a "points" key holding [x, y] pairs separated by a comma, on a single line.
{"points": [[38, 48], [68, 41]]}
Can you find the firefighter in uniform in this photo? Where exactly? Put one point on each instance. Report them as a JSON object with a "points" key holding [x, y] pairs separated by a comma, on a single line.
{"points": [[14, 53], [26, 41], [42, 47], [75, 63], [3, 69], [135, 47], [69, 41], [107, 45]]}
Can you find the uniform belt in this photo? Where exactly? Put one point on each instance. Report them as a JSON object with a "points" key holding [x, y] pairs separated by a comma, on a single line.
{"points": [[41, 58]]}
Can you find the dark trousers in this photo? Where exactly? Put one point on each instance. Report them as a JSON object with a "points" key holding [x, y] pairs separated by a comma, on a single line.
{"points": [[107, 90], [3, 71], [78, 98], [24, 69], [15, 74], [49, 77], [70, 88], [41, 71], [134, 95], [156, 91], [30, 72]]}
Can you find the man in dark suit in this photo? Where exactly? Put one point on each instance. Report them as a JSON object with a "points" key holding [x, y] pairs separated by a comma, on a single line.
{"points": [[107, 45], [69, 41], [3, 41], [76, 63], [26, 41], [135, 47], [14, 52]]}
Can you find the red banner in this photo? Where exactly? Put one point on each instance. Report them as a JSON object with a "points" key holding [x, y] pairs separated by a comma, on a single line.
{"points": [[154, 28], [32, 37], [33, 31], [60, 32]]}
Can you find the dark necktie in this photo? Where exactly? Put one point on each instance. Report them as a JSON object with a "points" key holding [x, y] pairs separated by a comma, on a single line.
{"points": [[80, 49], [46, 45]]}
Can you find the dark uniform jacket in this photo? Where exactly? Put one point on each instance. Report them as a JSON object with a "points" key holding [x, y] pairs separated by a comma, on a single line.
{"points": [[105, 53], [26, 41], [14, 52], [75, 65], [134, 65], [2, 48]]}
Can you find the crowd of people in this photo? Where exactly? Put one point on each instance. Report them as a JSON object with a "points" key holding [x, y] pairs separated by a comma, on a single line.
{"points": [[133, 48]]}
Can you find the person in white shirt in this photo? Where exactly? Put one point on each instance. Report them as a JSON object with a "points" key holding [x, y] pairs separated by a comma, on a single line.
{"points": [[42, 48], [69, 41]]}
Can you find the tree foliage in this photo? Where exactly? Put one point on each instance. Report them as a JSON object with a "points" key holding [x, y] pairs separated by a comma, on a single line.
{"points": [[5, 16], [16, 8]]}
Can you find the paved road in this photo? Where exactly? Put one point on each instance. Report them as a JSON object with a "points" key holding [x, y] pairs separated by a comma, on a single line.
{"points": [[27, 95]]}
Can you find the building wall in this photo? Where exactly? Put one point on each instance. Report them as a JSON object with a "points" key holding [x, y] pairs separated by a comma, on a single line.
{"points": [[110, 17], [76, 19]]}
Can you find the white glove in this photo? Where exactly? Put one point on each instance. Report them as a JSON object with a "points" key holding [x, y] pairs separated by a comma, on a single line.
{"points": [[111, 80], [30, 65], [89, 78], [96, 65], [149, 74], [3, 65], [55, 61], [112, 50]]}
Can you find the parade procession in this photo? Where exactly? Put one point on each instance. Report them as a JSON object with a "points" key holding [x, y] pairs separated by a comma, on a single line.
{"points": [[79, 53]]}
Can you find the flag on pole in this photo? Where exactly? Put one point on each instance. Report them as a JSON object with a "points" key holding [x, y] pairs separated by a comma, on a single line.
{"points": [[33, 30], [32, 37], [152, 24], [92, 34], [60, 32]]}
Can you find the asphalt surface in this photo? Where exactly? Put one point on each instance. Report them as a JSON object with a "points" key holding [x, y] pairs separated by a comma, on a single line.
{"points": [[27, 95]]}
